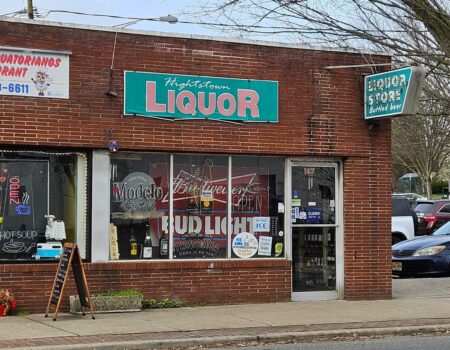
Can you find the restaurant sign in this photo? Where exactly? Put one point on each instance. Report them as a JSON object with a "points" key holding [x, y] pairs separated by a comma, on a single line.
{"points": [[200, 97], [393, 93], [34, 73]]}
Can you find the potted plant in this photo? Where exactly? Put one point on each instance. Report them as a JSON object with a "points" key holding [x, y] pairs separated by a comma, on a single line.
{"points": [[111, 301], [7, 302]]}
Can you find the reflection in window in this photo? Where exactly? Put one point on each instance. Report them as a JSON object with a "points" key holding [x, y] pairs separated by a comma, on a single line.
{"points": [[200, 206], [42, 204], [257, 207], [139, 206]]}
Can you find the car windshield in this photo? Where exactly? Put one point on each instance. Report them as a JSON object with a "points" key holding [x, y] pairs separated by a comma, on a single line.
{"points": [[424, 207], [443, 230]]}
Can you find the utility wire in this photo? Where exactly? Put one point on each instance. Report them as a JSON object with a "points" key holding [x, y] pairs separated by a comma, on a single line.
{"points": [[20, 12], [212, 24]]}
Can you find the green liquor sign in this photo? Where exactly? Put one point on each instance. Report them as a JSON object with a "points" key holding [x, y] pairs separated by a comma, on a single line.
{"points": [[200, 97], [393, 93]]}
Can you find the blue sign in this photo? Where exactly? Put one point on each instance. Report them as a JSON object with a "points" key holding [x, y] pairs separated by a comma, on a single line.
{"points": [[261, 224], [313, 215]]}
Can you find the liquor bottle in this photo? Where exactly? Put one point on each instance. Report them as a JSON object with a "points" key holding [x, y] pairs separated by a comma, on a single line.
{"points": [[331, 258], [147, 249], [307, 257], [133, 245], [163, 246], [192, 207]]}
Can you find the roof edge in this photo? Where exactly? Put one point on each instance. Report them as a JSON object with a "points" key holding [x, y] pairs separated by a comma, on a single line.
{"points": [[190, 36]]}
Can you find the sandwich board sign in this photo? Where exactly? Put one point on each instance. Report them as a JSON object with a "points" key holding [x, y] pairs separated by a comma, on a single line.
{"points": [[393, 93], [70, 257]]}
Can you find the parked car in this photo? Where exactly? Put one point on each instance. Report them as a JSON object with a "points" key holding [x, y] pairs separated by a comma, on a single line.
{"points": [[403, 220], [431, 214], [427, 255], [412, 197]]}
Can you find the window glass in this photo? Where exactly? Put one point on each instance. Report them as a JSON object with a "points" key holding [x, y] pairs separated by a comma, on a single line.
{"points": [[424, 208], [42, 204], [139, 206], [313, 195], [200, 206], [400, 207], [313, 259], [445, 209], [257, 207]]}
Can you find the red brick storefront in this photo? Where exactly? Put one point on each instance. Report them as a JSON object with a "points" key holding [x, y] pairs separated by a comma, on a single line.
{"points": [[320, 116]]}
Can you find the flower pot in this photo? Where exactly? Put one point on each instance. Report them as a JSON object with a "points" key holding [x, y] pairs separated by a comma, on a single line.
{"points": [[3, 310], [106, 304]]}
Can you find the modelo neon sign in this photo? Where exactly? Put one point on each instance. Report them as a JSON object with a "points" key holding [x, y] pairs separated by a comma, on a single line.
{"points": [[185, 96], [137, 192], [124, 193]]}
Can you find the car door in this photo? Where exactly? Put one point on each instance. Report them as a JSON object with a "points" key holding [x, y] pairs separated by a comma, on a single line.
{"points": [[442, 216]]}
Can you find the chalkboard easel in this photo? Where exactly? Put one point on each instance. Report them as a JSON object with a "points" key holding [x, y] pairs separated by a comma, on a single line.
{"points": [[70, 257]]}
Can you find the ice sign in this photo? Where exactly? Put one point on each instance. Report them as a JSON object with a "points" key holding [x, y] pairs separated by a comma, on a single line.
{"points": [[245, 245], [261, 224]]}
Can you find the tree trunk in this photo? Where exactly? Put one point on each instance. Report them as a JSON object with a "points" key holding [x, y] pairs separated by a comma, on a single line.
{"points": [[429, 190]]}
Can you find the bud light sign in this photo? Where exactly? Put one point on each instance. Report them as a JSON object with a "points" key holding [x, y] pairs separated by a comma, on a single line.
{"points": [[200, 97]]}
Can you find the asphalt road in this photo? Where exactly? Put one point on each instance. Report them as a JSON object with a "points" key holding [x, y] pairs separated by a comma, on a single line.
{"points": [[390, 343]]}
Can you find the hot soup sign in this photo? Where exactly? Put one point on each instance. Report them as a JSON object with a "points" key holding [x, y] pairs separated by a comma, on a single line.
{"points": [[200, 97]]}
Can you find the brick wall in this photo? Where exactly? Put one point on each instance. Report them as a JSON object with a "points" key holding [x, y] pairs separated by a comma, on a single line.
{"points": [[320, 115], [212, 282]]}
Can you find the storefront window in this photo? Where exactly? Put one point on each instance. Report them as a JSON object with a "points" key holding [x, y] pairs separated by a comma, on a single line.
{"points": [[42, 204], [139, 206], [257, 207], [200, 206]]}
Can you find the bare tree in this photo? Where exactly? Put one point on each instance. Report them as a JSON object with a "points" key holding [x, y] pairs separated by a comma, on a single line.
{"points": [[341, 22], [422, 145], [413, 30]]}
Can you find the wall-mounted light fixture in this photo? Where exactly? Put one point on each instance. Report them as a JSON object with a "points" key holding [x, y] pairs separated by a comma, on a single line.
{"points": [[111, 92], [169, 19]]}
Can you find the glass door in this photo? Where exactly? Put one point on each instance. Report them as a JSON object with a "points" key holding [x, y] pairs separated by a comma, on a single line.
{"points": [[314, 218]]}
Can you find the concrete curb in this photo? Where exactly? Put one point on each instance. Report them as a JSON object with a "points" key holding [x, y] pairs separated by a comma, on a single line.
{"points": [[251, 338]]}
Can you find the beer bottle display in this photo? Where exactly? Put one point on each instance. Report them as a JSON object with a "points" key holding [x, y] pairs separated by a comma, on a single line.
{"points": [[163, 246], [133, 245], [147, 250]]}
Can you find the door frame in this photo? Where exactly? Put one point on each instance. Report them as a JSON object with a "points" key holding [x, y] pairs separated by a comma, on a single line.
{"points": [[339, 225]]}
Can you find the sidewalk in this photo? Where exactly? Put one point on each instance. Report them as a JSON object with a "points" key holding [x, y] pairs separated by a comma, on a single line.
{"points": [[231, 324]]}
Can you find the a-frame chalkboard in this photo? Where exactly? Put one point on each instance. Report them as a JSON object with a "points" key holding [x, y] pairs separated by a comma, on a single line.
{"points": [[70, 257]]}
